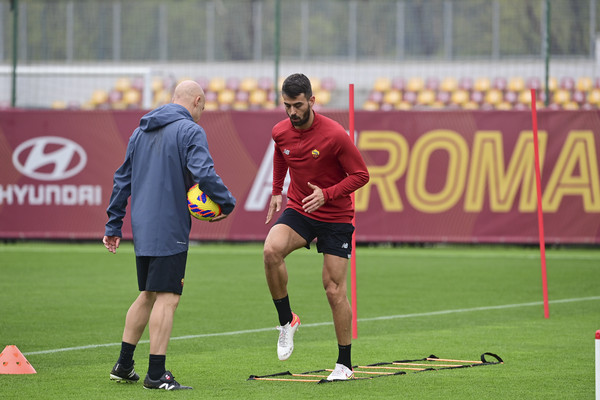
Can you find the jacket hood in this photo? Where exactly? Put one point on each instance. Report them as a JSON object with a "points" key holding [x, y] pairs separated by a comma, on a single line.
{"points": [[164, 115]]}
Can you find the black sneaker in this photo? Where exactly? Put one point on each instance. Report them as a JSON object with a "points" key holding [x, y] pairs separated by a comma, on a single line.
{"points": [[125, 375], [167, 382]]}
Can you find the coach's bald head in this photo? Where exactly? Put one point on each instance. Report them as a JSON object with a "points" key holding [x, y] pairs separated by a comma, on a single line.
{"points": [[190, 95]]}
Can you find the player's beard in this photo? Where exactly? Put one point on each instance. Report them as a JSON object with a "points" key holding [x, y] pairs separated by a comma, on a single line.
{"points": [[303, 120]]}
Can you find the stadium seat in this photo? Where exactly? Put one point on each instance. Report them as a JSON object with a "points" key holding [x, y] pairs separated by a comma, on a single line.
{"points": [[504, 105], [499, 83], [448, 84], [584, 84], [552, 84], [594, 97], [533, 83], [382, 84], [123, 84], [370, 105], [482, 84], [403, 106], [432, 83], [465, 83], [232, 83], [132, 98], [225, 98], [459, 97], [99, 97], [58, 105], [328, 84], [258, 98], [561, 96], [162, 97], [202, 81], [216, 84], [442, 97], [265, 83], [578, 97], [524, 97], [322, 97], [398, 83], [516, 84], [248, 84], [570, 105], [426, 97], [567, 83], [477, 97], [392, 97], [375, 96], [315, 83], [415, 84], [493, 97], [410, 97]]}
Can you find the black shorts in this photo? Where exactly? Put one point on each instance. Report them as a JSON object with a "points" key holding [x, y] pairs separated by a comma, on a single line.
{"points": [[332, 238], [161, 274]]}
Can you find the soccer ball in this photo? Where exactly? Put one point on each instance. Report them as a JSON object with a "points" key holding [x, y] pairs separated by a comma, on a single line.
{"points": [[200, 205]]}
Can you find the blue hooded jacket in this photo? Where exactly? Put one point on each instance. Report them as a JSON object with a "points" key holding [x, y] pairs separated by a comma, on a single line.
{"points": [[166, 155]]}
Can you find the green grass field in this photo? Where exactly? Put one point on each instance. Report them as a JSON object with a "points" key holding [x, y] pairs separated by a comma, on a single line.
{"points": [[63, 305]]}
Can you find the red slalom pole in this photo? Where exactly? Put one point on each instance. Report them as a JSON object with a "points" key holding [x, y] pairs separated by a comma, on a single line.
{"points": [[353, 254], [539, 199]]}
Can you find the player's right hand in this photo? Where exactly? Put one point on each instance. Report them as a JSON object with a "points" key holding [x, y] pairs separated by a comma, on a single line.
{"points": [[274, 206]]}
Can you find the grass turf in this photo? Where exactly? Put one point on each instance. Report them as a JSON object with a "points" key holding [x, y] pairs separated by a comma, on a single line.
{"points": [[64, 305]]}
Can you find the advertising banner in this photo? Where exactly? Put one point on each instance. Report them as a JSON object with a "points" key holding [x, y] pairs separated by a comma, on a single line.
{"points": [[435, 176]]}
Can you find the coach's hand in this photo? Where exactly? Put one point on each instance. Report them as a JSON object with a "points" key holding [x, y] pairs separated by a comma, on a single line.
{"points": [[274, 206], [111, 243], [218, 218], [315, 200]]}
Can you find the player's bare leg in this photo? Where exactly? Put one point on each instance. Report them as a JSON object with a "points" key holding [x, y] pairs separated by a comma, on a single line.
{"points": [[161, 321], [334, 282], [280, 242], [138, 316]]}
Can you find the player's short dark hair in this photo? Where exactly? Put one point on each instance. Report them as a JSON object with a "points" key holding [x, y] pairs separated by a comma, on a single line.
{"points": [[296, 84]]}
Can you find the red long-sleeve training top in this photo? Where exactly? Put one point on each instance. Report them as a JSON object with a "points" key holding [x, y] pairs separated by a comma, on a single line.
{"points": [[323, 155]]}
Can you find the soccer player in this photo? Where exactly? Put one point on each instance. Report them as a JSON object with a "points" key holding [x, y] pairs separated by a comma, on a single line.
{"points": [[165, 156], [325, 168]]}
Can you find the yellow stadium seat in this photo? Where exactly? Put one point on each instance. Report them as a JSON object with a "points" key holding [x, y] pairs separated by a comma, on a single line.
{"points": [[216, 84], [132, 97], [584, 84], [482, 84], [415, 84], [552, 84], [403, 105], [504, 105], [315, 83], [470, 105], [459, 96], [123, 84], [561, 96], [493, 96], [516, 84], [322, 97], [382, 84], [258, 97], [571, 105], [392, 96], [226, 97], [248, 84], [594, 97], [58, 105], [99, 97], [426, 97], [370, 105], [525, 97], [448, 84]]}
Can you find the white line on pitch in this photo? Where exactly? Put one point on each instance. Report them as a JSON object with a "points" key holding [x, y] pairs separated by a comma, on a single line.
{"points": [[386, 317]]}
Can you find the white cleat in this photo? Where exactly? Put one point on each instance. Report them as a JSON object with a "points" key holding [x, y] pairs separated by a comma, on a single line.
{"points": [[285, 343], [341, 373]]}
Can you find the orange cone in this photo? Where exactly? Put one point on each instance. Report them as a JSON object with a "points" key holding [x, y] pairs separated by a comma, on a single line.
{"points": [[12, 361]]}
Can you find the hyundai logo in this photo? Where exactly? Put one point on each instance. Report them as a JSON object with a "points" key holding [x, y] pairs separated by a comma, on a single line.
{"points": [[49, 158]]}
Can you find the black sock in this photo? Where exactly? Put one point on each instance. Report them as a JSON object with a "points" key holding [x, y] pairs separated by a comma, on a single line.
{"points": [[344, 356], [156, 366], [126, 356], [284, 310]]}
